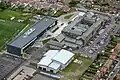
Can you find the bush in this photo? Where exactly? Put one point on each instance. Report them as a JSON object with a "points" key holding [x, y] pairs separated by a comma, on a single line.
{"points": [[68, 16]]}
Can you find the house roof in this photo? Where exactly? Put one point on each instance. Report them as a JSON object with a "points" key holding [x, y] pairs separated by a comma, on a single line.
{"points": [[63, 56]]}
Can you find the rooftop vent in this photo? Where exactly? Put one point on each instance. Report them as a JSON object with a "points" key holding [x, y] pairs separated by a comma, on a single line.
{"points": [[31, 30]]}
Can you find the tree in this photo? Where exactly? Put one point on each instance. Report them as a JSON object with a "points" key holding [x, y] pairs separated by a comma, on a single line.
{"points": [[4, 5]]}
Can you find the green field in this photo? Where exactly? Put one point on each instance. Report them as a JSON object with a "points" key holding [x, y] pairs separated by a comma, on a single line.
{"points": [[7, 14], [68, 16], [9, 30], [74, 71]]}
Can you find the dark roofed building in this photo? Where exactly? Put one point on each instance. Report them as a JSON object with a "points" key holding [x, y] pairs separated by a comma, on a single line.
{"points": [[18, 45]]}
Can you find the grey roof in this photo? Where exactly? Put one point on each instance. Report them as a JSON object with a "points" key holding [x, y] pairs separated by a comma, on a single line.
{"points": [[54, 47], [32, 32], [68, 39], [92, 28], [60, 37], [71, 26], [77, 27], [79, 42], [55, 43], [72, 45], [80, 27]]}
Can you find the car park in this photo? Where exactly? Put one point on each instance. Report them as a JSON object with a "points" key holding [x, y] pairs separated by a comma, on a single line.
{"points": [[101, 42], [91, 42]]}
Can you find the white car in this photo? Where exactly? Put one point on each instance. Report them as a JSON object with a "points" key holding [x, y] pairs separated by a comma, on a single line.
{"points": [[91, 42], [101, 42]]}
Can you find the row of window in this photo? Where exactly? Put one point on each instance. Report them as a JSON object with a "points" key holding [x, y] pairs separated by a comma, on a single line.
{"points": [[44, 69]]}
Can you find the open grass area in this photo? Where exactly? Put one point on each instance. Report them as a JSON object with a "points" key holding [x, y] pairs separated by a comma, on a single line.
{"points": [[59, 13], [7, 14], [68, 16], [8, 30], [75, 70]]}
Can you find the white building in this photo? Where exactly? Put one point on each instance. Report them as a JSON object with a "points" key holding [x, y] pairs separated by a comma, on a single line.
{"points": [[55, 60]]}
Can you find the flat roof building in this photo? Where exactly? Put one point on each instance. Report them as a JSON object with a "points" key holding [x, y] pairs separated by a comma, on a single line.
{"points": [[34, 32], [79, 31], [84, 28], [55, 60]]}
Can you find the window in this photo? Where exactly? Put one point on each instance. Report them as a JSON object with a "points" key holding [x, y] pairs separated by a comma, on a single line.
{"points": [[93, 33], [51, 71], [40, 67], [72, 28], [77, 47], [44, 69]]}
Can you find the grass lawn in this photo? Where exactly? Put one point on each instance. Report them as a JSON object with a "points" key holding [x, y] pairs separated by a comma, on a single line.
{"points": [[68, 16], [74, 71], [8, 30], [7, 14], [59, 13]]}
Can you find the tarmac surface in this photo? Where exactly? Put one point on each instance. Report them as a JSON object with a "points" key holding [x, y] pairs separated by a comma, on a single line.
{"points": [[8, 64]]}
